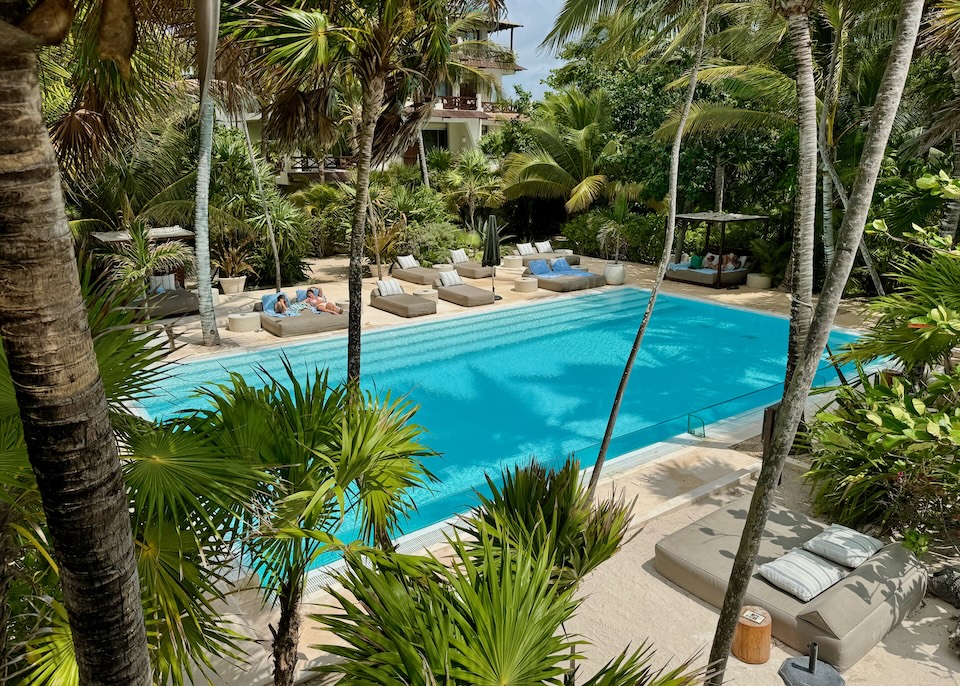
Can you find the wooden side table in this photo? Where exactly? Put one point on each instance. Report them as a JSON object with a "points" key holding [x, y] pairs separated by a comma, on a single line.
{"points": [[751, 639]]}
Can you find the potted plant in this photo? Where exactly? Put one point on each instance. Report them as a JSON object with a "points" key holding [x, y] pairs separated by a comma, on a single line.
{"points": [[231, 254], [611, 238], [772, 259]]}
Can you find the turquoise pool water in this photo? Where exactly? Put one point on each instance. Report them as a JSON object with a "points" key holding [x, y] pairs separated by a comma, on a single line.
{"points": [[500, 387]]}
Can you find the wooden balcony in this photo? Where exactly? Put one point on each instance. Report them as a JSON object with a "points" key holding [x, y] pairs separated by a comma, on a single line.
{"points": [[305, 164], [458, 102], [499, 107]]}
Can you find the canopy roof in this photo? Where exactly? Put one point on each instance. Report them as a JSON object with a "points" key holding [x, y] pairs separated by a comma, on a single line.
{"points": [[159, 233], [721, 217]]}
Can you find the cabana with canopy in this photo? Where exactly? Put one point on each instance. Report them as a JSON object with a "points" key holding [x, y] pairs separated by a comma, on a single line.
{"points": [[714, 276]]}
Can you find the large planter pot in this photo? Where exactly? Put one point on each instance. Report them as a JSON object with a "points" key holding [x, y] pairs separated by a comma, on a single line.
{"points": [[759, 281], [232, 284], [614, 274]]}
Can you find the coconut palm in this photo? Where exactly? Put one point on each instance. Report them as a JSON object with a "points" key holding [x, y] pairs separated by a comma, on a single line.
{"points": [[333, 462], [471, 184], [794, 398]]}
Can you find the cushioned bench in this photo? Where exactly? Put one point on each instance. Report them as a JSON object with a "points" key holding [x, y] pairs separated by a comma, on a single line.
{"points": [[464, 295], [846, 620], [304, 323], [403, 305]]}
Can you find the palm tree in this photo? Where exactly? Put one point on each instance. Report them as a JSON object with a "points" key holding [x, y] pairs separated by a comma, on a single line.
{"points": [[53, 367], [333, 463], [794, 398], [471, 184], [393, 49], [134, 262]]}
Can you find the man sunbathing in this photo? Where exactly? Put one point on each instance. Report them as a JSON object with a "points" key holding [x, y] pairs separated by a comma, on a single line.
{"points": [[318, 301]]}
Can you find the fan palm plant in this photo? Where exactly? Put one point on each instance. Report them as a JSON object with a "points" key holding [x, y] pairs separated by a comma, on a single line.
{"points": [[333, 464], [135, 261], [471, 184]]}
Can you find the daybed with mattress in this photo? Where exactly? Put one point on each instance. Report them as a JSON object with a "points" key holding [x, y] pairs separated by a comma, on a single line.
{"points": [[846, 620], [407, 268], [389, 297], [298, 323], [689, 271], [450, 287], [467, 268], [543, 251], [561, 278]]}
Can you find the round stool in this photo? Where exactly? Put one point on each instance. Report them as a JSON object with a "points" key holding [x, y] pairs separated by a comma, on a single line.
{"points": [[427, 293], [751, 639], [244, 322], [511, 261], [444, 267], [525, 285]]}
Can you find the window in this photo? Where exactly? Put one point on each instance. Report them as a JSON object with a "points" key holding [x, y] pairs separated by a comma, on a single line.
{"points": [[435, 138]]}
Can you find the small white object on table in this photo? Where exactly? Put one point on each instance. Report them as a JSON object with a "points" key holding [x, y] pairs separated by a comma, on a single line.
{"points": [[244, 322], [525, 285], [427, 293], [444, 267], [511, 261]]}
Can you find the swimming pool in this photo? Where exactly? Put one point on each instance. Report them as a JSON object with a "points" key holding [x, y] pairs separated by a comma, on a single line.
{"points": [[538, 379]]}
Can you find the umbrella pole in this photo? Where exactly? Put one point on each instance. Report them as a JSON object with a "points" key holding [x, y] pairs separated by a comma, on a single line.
{"points": [[493, 282]]}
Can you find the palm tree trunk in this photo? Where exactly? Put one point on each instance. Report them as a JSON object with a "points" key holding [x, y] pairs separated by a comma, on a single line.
{"points": [[286, 637], [46, 336], [201, 227], [422, 155], [263, 200], [719, 181], [827, 228], [664, 259], [373, 89], [794, 399], [825, 144], [801, 281]]}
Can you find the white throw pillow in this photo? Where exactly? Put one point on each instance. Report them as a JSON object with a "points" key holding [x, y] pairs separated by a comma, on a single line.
{"points": [[743, 261], [389, 287], [544, 246], [710, 255], [450, 278], [525, 249], [170, 281], [802, 574], [407, 262], [843, 546], [458, 256]]}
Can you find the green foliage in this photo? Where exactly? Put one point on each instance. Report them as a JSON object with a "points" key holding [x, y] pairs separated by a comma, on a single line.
{"points": [[916, 542], [135, 261], [472, 185], [439, 160], [886, 456], [431, 243], [231, 252], [328, 215], [772, 257], [642, 234]]}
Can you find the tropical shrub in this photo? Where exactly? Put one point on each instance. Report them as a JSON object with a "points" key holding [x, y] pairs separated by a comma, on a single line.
{"points": [[887, 457], [772, 257], [642, 235], [431, 243], [328, 211]]}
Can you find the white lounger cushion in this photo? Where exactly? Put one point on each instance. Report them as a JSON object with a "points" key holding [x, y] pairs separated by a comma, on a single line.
{"points": [[843, 546], [407, 262], [802, 574], [450, 278], [389, 287], [525, 249], [544, 246], [458, 256]]}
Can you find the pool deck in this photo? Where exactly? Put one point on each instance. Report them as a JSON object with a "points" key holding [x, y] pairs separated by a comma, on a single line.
{"points": [[331, 275]]}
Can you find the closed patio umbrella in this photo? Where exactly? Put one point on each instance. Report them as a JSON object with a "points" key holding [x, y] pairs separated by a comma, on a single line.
{"points": [[491, 252]]}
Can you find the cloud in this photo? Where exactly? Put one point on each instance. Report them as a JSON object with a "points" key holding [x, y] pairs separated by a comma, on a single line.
{"points": [[537, 17]]}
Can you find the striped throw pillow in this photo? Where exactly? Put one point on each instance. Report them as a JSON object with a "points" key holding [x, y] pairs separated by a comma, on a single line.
{"points": [[450, 279], [802, 574], [458, 256], [389, 287], [843, 546], [525, 249], [544, 246], [407, 262]]}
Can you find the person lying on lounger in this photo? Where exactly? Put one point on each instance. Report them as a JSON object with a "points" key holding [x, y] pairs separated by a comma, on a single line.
{"points": [[710, 262], [318, 301], [730, 262], [282, 307]]}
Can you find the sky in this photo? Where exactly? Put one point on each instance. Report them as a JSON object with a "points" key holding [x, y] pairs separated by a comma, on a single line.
{"points": [[537, 18]]}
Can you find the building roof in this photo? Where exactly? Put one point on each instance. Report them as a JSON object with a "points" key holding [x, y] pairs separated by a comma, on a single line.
{"points": [[160, 233], [503, 24], [721, 217]]}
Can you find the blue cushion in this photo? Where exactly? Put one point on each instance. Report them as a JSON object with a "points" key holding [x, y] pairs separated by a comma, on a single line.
{"points": [[561, 265], [538, 267], [269, 303], [301, 295]]}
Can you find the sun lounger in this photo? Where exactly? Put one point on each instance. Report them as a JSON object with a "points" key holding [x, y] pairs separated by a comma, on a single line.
{"points": [[173, 303], [401, 304], [303, 322], [846, 620], [460, 293], [543, 251], [565, 280], [467, 268], [414, 273]]}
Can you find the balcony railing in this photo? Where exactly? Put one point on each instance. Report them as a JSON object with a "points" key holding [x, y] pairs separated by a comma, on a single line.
{"points": [[305, 164], [500, 107], [458, 102], [487, 53]]}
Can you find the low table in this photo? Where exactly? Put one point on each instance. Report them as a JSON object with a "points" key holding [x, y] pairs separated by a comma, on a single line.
{"points": [[751, 639], [511, 261], [427, 293], [525, 285], [444, 267], [244, 322]]}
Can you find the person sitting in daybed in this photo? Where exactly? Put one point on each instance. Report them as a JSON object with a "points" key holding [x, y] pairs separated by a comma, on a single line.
{"points": [[730, 262], [282, 307], [710, 261], [318, 301]]}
